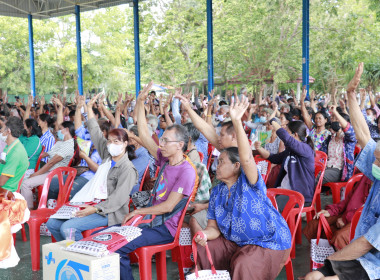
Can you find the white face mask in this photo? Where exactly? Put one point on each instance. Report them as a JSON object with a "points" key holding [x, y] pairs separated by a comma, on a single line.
{"points": [[220, 118], [371, 119], [115, 150], [3, 138]]}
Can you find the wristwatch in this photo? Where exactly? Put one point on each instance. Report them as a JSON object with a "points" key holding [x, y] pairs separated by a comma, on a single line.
{"points": [[272, 120], [98, 211]]}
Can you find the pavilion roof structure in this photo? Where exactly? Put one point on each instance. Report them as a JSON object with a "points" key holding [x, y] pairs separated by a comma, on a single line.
{"points": [[42, 9]]}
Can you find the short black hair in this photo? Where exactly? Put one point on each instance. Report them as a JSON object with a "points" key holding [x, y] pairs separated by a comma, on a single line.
{"points": [[229, 127], [16, 126]]}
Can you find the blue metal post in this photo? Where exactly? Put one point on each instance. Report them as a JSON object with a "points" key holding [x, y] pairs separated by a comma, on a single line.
{"points": [[137, 44], [31, 56], [210, 46], [79, 50], [305, 45]]}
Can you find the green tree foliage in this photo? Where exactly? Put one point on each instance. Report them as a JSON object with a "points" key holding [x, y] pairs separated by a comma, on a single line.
{"points": [[254, 41]]}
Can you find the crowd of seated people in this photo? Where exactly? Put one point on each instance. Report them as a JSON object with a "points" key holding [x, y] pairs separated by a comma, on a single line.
{"points": [[230, 212]]}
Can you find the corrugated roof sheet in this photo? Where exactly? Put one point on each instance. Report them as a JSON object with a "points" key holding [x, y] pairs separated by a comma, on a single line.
{"points": [[41, 9]]}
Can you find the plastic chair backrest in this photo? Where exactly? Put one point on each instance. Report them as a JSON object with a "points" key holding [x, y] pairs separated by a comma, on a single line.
{"points": [[144, 177], [210, 150], [295, 198], [265, 166], [64, 187], [351, 183], [201, 156], [157, 171], [39, 159], [354, 222], [321, 157], [180, 221], [357, 151], [319, 169]]}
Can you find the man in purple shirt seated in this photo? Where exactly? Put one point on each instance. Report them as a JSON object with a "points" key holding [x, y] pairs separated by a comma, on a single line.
{"points": [[172, 190]]}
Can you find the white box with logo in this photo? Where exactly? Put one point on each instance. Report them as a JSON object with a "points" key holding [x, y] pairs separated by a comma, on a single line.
{"points": [[60, 264]]}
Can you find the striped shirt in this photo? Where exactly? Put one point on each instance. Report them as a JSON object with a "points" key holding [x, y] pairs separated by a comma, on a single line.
{"points": [[47, 140], [64, 149]]}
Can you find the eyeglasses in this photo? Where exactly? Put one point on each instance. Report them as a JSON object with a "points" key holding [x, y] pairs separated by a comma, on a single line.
{"points": [[164, 141]]}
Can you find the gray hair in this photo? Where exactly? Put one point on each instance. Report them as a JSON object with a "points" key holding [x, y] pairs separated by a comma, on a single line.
{"points": [[180, 134], [192, 131], [225, 108], [134, 129], [152, 121]]}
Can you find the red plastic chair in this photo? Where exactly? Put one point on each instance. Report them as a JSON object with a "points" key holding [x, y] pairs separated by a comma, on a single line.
{"points": [[357, 151], [314, 207], [265, 167], [42, 214], [23, 232], [87, 233], [210, 150], [351, 183], [292, 216], [39, 160], [144, 255], [141, 186], [354, 222], [201, 156], [321, 157], [336, 187]]}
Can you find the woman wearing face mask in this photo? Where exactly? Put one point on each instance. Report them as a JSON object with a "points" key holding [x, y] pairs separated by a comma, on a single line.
{"points": [[318, 131], [31, 141], [339, 147], [59, 156], [372, 122], [47, 139], [121, 177]]}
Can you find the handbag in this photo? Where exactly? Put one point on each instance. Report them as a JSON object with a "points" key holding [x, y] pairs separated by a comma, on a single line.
{"points": [[110, 239], [321, 248], [96, 187], [142, 198], [206, 274]]}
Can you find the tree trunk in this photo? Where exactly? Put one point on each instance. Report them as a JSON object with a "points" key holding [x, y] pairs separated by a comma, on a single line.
{"points": [[64, 77]]}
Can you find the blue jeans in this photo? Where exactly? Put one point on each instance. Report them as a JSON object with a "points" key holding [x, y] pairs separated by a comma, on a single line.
{"points": [[78, 184], [57, 226], [149, 236]]}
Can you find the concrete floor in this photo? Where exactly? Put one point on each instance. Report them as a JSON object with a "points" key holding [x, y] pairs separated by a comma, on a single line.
{"points": [[23, 270]]}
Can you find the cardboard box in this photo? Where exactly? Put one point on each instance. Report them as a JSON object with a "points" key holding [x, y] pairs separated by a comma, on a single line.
{"points": [[59, 264]]}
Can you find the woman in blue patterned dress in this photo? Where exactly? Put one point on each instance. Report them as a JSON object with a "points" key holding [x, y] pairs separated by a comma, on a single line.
{"points": [[245, 233]]}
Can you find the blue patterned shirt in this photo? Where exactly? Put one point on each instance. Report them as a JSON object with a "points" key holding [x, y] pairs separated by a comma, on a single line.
{"points": [[369, 223], [248, 217], [47, 140]]}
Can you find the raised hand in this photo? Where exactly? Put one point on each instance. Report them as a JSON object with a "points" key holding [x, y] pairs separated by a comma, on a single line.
{"points": [[304, 93], [91, 103], [342, 104], [81, 102], [353, 84], [30, 101], [185, 102], [362, 94], [143, 95], [238, 108]]}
